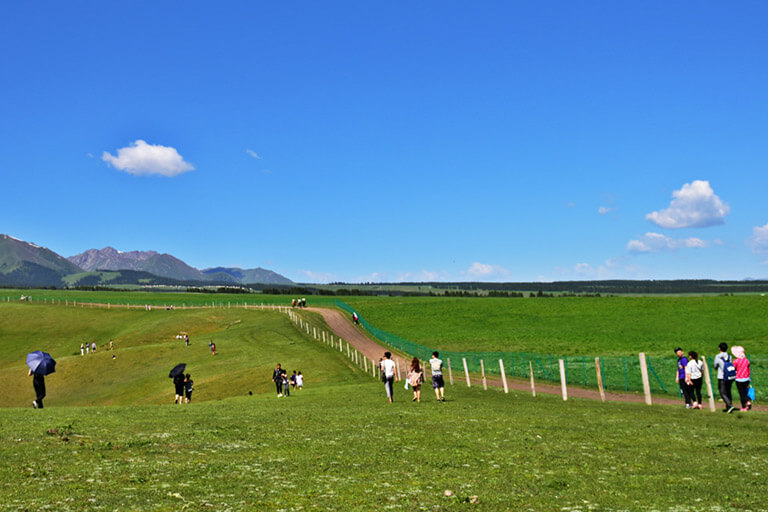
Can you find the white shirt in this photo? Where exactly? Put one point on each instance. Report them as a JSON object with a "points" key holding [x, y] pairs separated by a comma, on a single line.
{"points": [[437, 366], [388, 366], [694, 369]]}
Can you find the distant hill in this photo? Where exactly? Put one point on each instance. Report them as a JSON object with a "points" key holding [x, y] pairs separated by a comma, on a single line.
{"points": [[26, 264], [247, 276]]}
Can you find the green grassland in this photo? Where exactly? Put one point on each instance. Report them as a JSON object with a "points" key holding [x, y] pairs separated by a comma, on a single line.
{"points": [[336, 445], [574, 326], [249, 343], [341, 447]]}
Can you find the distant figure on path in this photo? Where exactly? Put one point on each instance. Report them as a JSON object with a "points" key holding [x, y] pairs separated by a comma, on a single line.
{"points": [[725, 377], [277, 378], [178, 383], [213, 348], [437, 376], [743, 376], [38, 382], [186, 340], [286, 384], [415, 378], [82, 349], [300, 381], [111, 344], [293, 380], [387, 367], [682, 362], [693, 378], [93, 347], [355, 318], [188, 382]]}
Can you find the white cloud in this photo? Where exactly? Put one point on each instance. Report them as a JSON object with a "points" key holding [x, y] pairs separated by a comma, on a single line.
{"points": [[693, 206], [319, 277], [655, 242], [253, 154], [759, 239], [605, 210], [485, 271], [141, 159]]}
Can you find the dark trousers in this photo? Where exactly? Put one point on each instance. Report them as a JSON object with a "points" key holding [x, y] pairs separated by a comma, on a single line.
{"points": [[389, 387], [696, 390], [685, 389], [724, 386], [38, 381], [279, 385], [743, 387]]}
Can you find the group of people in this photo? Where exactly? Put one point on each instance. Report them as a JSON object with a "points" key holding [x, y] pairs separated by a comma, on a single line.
{"points": [[689, 377], [415, 377], [284, 382], [86, 348], [300, 303], [184, 387]]}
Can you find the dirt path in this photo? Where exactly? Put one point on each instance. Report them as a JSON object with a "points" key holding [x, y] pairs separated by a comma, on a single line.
{"points": [[358, 338]]}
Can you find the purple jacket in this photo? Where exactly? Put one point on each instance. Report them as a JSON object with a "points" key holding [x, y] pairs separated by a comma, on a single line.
{"points": [[681, 364]]}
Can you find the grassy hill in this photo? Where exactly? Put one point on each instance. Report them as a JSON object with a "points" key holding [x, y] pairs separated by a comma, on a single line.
{"points": [[249, 344], [336, 445]]}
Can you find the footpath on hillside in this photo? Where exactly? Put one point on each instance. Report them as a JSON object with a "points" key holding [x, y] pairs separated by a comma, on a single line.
{"points": [[356, 336]]}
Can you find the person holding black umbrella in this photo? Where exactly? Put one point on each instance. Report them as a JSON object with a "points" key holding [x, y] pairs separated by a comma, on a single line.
{"points": [[38, 381], [40, 364], [177, 374]]}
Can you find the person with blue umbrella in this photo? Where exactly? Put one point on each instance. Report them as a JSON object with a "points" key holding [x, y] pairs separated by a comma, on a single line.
{"points": [[40, 364]]}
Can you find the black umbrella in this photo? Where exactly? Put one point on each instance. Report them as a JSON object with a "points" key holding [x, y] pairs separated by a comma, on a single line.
{"points": [[178, 369], [41, 363]]}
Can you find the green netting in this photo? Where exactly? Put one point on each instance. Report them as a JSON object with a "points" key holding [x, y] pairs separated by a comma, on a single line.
{"points": [[619, 373]]}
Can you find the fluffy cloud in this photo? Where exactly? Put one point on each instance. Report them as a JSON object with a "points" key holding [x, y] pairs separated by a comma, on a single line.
{"points": [[693, 206], [759, 239], [604, 210], [484, 271], [142, 159], [655, 242]]}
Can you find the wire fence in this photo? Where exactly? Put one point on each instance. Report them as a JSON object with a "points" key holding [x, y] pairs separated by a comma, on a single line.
{"points": [[619, 373]]}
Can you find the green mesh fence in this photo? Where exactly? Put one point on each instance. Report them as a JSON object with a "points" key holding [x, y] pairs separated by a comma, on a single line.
{"points": [[619, 373]]}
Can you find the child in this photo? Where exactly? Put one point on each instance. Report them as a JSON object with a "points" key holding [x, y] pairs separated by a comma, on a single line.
{"points": [[293, 380], [188, 382], [300, 381]]}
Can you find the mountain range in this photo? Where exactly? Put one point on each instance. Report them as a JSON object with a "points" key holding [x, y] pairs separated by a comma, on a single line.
{"points": [[26, 264]]}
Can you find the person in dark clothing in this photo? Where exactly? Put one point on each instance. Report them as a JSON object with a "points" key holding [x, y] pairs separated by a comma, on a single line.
{"points": [[188, 388], [277, 378], [685, 389], [724, 381], [178, 382], [38, 382]]}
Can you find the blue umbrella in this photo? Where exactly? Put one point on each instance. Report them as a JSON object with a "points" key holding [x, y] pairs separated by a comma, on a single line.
{"points": [[41, 363]]}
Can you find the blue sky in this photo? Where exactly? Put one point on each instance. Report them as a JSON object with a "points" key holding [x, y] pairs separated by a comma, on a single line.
{"points": [[391, 141]]}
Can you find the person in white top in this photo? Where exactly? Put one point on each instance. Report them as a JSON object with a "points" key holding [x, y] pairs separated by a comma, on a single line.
{"points": [[387, 367], [693, 377], [437, 376]]}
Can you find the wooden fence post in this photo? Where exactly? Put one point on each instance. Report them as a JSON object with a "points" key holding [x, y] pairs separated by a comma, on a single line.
{"points": [[503, 376], [450, 372], [533, 384], [646, 382], [482, 372], [708, 380], [397, 364], [563, 384], [365, 364], [599, 379], [466, 370]]}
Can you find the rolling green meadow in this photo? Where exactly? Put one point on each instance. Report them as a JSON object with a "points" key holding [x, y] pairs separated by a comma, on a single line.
{"points": [[111, 439]]}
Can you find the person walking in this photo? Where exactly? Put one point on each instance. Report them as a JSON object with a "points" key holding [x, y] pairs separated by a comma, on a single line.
{"points": [[387, 367], [82, 349], [693, 378], [188, 383], [277, 378], [415, 378], [726, 373], [436, 364], [178, 383], [743, 375], [682, 363], [300, 381], [38, 382]]}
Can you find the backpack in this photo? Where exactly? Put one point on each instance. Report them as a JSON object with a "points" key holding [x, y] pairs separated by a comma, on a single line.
{"points": [[729, 371]]}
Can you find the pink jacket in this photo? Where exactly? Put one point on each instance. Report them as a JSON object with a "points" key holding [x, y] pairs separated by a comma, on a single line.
{"points": [[742, 368]]}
